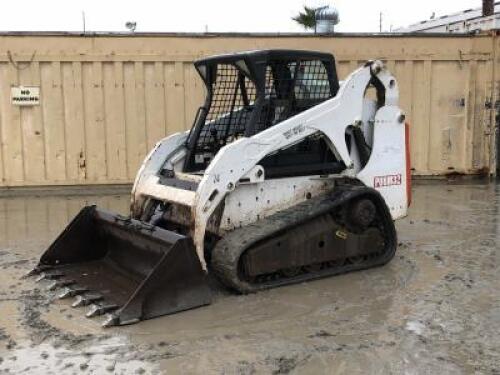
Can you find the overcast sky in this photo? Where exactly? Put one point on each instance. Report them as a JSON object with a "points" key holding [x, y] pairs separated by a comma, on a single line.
{"points": [[216, 15]]}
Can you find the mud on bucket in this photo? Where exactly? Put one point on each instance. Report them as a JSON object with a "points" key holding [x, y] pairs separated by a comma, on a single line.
{"points": [[125, 267]]}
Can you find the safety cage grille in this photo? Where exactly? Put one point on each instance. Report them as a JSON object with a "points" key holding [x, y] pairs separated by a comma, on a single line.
{"points": [[292, 87], [233, 98]]}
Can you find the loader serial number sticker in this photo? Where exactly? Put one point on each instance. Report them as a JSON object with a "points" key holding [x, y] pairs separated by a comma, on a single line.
{"points": [[389, 180]]}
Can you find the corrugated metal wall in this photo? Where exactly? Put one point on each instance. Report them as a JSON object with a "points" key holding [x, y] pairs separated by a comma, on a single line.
{"points": [[105, 100]]}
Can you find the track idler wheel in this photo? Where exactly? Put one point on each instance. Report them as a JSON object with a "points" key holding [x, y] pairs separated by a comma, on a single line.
{"points": [[361, 213]]}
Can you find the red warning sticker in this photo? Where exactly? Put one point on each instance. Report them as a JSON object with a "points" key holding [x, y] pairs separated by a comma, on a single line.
{"points": [[389, 180]]}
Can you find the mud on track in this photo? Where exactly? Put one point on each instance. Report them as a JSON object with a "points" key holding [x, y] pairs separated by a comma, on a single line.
{"points": [[434, 309]]}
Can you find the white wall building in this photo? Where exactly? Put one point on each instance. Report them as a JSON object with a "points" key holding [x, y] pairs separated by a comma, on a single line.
{"points": [[467, 21]]}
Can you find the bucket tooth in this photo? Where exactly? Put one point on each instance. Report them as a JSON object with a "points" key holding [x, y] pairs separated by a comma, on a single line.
{"points": [[111, 320], [71, 292], [37, 270], [41, 277], [49, 276], [86, 300], [60, 284], [33, 272], [96, 310]]}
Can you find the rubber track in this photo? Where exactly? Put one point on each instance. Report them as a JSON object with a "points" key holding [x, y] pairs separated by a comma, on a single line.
{"points": [[227, 252]]}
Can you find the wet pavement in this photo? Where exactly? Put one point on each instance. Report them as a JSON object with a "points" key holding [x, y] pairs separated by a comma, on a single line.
{"points": [[434, 309]]}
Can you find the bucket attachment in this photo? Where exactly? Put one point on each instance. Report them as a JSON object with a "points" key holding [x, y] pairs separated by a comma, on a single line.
{"points": [[124, 267]]}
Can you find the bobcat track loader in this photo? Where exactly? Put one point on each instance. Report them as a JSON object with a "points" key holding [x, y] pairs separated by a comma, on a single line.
{"points": [[286, 176]]}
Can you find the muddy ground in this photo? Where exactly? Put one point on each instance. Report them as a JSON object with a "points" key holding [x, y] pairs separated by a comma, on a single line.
{"points": [[434, 309]]}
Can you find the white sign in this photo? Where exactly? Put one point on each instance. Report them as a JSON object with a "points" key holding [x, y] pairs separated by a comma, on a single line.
{"points": [[25, 95]]}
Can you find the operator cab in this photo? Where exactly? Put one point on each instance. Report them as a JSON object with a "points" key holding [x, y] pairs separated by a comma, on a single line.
{"points": [[248, 92]]}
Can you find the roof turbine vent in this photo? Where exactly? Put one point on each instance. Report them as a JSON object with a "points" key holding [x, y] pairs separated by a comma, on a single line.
{"points": [[326, 19]]}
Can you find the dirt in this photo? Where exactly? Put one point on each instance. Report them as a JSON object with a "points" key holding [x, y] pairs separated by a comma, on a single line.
{"points": [[434, 309]]}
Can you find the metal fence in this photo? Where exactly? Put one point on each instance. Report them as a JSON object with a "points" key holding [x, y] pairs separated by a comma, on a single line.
{"points": [[106, 99]]}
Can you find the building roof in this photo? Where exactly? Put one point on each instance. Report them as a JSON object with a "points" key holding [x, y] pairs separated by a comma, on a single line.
{"points": [[434, 23]]}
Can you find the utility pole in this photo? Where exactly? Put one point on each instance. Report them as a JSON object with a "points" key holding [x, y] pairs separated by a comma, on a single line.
{"points": [[380, 22], [83, 19]]}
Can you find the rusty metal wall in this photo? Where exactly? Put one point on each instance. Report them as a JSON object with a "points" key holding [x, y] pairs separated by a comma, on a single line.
{"points": [[105, 100]]}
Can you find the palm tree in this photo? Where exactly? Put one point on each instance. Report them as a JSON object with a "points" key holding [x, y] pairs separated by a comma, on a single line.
{"points": [[307, 18]]}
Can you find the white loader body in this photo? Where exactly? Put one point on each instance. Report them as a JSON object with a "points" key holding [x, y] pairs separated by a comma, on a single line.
{"points": [[235, 178]]}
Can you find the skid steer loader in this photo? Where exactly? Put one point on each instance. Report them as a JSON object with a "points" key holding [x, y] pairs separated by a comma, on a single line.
{"points": [[286, 176]]}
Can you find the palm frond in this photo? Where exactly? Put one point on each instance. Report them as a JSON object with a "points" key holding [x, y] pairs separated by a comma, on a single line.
{"points": [[306, 18]]}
